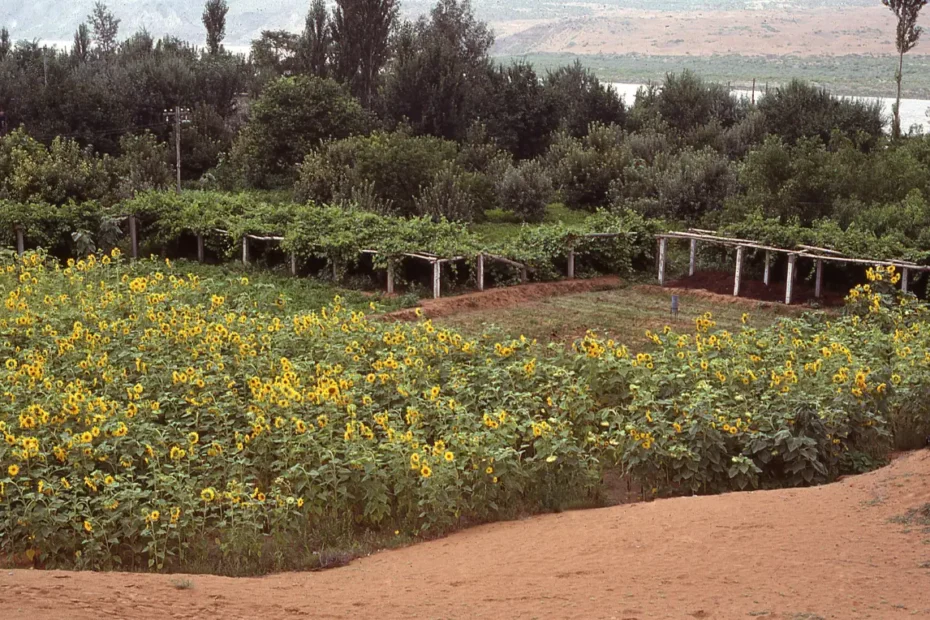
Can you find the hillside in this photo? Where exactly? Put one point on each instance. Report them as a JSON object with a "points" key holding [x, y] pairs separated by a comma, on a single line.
{"points": [[613, 26]]}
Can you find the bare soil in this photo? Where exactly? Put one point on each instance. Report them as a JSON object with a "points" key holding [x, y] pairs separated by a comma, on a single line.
{"points": [[855, 549], [505, 297], [721, 283]]}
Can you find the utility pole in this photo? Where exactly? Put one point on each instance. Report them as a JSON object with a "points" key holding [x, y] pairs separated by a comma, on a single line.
{"points": [[178, 115]]}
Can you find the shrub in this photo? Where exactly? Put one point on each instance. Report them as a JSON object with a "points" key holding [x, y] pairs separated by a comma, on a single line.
{"points": [[525, 190], [292, 117], [583, 169], [396, 164], [686, 185], [448, 196]]}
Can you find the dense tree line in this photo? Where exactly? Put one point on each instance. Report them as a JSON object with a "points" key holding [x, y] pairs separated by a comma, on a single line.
{"points": [[415, 118]]}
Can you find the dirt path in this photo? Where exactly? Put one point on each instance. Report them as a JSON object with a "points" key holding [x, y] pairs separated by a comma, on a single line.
{"points": [[827, 552]]}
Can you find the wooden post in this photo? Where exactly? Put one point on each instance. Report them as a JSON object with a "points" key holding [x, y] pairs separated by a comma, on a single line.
{"points": [[20, 241], [134, 235], [663, 245], [739, 270], [245, 250], [335, 271], [768, 267], [789, 285], [437, 274], [904, 274], [524, 275], [692, 260], [571, 263], [818, 283], [294, 265], [390, 277], [481, 272], [200, 249]]}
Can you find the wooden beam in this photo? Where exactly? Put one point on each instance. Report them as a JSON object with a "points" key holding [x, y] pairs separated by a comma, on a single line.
{"points": [[663, 246], [571, 263], [134, 236], [766, 277], [480, 270], [818, 282], [739, 270], [437, 275], [692, 258], [789, 285], [20, 241], [200, 248]]}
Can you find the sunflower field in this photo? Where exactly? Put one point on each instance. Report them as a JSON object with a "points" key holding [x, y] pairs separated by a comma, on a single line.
{"points": [[155, 419]]}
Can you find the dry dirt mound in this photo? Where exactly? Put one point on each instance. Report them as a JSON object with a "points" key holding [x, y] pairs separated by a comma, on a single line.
{"points": [[506, 297], [854, 549]]}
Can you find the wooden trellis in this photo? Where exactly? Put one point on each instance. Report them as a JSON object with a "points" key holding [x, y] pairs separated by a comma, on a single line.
{"points": [[435, 261], [819, 255]]}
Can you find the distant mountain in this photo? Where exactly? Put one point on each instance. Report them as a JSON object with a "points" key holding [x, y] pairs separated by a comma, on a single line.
{"points": [[54, 21]]}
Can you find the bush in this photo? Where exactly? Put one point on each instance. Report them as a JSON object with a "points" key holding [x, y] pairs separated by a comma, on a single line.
{"points": [[525, 190], [396, 164], [292, 117], [687, 185], [583, 169], [800, 110], [448, 196]]}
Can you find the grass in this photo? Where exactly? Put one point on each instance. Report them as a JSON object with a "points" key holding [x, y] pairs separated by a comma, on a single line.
{"points": [[623, 314], [502, 226]]}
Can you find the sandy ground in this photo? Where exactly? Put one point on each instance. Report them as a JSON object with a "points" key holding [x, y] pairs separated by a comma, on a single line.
{"points": [[804, 554], [800, 32]]}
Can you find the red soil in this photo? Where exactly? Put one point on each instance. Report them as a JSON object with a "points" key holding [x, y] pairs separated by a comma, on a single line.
{"points": [[721, 282], [506, 297], [824, 552]]}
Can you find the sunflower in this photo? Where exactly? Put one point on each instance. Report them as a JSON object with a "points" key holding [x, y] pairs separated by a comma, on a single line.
{"points": [[449, 457], [13, 470], [87, 526], [425, 471], [208, 495]]}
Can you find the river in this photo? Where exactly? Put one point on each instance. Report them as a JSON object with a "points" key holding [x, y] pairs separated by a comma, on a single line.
{"points": [[913, 111]]}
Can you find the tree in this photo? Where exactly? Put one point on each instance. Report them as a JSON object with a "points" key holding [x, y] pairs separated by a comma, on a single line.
{"points": [[106, 28], [439, 78], [274, 52], [798, 110], [214, 20], [5, 44], [361, 31], [581, 99], [82, 42], [292, 117], [520, 114], [316, 41], [906, 38]]}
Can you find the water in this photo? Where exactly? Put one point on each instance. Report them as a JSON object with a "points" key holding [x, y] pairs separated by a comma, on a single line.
{"points": [[913, 111]]}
